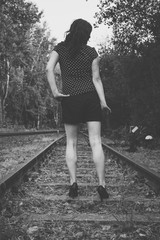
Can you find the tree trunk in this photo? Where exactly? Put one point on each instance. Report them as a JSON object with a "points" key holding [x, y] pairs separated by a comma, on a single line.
{"points": [[5, 89], [1, 114], [38, 121], [7, 82]]}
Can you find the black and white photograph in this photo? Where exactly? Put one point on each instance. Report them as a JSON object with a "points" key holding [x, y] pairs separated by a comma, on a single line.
{"points": [[79, 120]]}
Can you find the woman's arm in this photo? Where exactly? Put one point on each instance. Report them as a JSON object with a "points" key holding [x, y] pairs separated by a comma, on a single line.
{"points": [[54, 57], [98, 83]]}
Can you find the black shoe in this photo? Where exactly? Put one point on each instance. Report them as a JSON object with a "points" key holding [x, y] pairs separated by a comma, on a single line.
{"points": [[73, 191], [102, 192]]}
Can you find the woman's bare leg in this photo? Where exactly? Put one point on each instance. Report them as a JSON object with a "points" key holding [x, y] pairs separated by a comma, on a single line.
{"points": [[71, 150], [94, 129]]}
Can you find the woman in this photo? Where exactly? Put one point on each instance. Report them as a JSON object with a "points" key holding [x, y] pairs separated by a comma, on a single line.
{"points": [[82, 99]]}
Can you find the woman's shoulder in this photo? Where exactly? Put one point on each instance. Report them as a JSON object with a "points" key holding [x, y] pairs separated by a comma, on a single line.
{"points": [[91, 51], [59, 45], [60, 48], [89, 48]]}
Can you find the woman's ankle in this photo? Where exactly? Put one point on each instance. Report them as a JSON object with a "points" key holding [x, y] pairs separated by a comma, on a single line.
{"points": [[72, 181], [102, 183]]}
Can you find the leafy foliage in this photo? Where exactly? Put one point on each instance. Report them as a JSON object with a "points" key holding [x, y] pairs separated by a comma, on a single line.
{"points": [[135, 23], [115, 81], [24, 48], [132, 88], [131, 69]]}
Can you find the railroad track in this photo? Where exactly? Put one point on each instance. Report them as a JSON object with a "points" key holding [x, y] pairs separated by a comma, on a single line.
{"points": [[23, 133], [37, 205]]}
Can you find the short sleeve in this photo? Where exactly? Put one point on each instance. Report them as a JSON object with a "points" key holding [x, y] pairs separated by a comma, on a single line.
{"points": [[94, 54], [57, 48]]}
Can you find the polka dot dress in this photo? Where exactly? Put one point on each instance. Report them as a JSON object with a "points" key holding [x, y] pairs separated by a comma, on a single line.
{"points": [[76, 73]]}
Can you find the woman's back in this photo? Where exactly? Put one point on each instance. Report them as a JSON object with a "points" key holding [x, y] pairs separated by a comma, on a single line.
{"points": [[76, 72]]}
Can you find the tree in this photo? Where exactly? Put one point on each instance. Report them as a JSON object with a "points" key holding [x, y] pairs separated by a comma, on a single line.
{"points": [[115, 81], [32, 109], [16, 18], [135, 23], [40, 46], [136, 39], [144, 85]]}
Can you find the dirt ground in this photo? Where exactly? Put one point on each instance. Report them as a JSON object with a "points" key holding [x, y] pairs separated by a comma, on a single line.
{"points": [[147, 156], [15, 150]]}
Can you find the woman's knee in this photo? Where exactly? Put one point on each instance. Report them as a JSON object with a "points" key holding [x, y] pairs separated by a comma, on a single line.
{"points": [[72, 143], [95, 142]]}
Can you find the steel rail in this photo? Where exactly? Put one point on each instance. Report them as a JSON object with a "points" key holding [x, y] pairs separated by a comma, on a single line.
{"points": [[45, 204], [16, 176], [21, 172], [21, 133]]}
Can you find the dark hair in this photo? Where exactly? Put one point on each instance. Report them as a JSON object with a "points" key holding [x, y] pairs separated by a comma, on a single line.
{"points": [[77, 36]]}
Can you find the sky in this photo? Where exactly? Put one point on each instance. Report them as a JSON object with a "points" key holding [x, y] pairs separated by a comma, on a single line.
{"points": [[59, 14]]}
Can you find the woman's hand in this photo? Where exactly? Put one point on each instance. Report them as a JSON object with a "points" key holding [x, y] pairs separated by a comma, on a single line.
{"points": [[58, 96], [104, 106]]}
